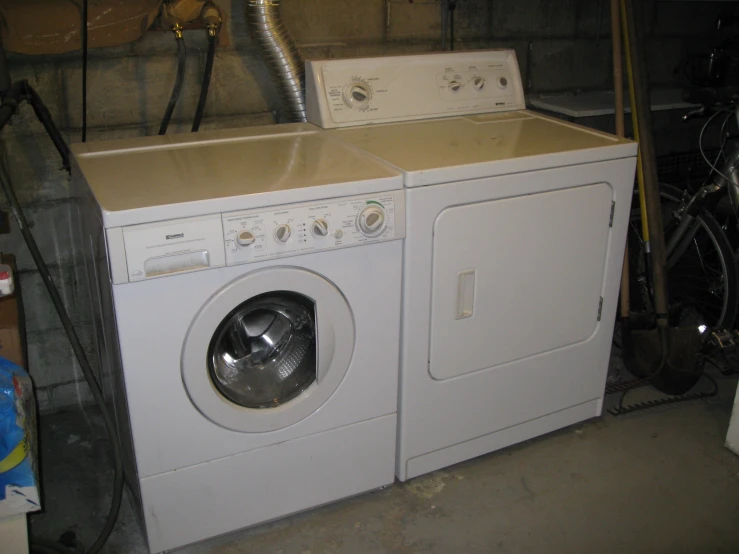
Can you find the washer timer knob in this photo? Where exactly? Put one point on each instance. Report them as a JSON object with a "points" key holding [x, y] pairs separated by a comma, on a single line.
{"points": [[319, 228], [371, 220], [478, 83], [282, 233], [245, 238], [454, 86]]}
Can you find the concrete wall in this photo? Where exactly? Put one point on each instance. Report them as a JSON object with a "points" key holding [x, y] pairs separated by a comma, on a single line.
{"points": [[561, 44]]}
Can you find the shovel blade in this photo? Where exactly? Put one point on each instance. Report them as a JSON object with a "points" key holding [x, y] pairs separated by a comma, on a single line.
{"points": [[642, 352]]}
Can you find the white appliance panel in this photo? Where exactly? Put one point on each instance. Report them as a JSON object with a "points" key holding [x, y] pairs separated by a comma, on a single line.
{"points": [[516, 277], [306, 228], [153, 179], [260, 485], [159, 312], [159, 249], [350, 92], [446, 421], [154, 250]]}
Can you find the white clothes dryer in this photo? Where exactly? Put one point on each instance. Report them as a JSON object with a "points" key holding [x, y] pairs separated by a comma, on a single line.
{"points": [[515, 240], [246, 287]]}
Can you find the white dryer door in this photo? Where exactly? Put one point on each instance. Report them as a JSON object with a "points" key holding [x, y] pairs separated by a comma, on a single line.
{"points": [[268, 349], [516, 277]]}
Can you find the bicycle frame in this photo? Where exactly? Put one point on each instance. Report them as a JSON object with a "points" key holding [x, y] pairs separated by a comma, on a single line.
{"points": [[726, 179]]}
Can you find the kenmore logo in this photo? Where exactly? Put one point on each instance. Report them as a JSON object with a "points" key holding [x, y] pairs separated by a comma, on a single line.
{"points": [[177, 236]]}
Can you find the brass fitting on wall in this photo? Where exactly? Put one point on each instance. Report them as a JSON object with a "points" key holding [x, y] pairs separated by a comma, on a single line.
{"points": [[177, 30], [211, 17]]}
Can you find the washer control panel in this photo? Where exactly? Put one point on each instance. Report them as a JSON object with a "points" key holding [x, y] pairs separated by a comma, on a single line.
{"points": [[266, 233], [154, 250], [342, 93]]}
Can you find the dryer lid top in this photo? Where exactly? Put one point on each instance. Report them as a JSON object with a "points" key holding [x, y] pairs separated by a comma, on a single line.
{"points": [[462, 148], [163, 177]]}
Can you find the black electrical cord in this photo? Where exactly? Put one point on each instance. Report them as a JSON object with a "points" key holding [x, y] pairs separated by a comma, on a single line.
{"points": [[84, 69], [206, 83], [181, 57]]}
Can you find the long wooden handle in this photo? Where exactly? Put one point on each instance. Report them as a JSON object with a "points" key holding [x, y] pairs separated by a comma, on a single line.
{"points": [[649, 161], [618, 99]]}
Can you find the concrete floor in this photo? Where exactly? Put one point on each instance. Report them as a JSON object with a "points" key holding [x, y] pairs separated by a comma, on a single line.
{"points": [[658, 481]]}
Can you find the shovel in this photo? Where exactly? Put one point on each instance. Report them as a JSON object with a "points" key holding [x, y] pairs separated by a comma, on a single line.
{"points": [[667, 357]]}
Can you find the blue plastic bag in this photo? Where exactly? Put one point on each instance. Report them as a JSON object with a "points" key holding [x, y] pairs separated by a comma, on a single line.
{"points": [[13, 443], [18, 475]]}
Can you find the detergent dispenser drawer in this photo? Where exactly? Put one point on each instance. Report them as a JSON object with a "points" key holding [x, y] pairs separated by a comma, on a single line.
{"points": [[517, 277]]}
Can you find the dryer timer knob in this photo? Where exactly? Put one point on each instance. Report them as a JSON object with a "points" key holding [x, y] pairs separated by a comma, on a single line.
{"points": [[371, 220]]}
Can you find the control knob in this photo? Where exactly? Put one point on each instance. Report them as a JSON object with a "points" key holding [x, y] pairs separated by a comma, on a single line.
{"points": [[371, 220], [454, 86], [319, 228], [245, 238], [357, 95], [282, 233], [478, 83]]}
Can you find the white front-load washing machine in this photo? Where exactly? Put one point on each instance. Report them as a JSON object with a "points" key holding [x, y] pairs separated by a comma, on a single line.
{"points": [[246, 287], [516, 225]]}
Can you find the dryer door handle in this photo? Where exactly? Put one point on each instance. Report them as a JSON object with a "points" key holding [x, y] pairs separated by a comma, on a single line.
{"points": [[465, 294], [325, 346]]}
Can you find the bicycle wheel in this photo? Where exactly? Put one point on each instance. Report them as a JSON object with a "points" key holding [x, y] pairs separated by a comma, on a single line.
{"points": [[701, 280]]}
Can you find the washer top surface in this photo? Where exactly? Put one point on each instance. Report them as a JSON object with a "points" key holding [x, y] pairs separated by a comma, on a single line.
{"points": [[156, 178], [460, 148]]}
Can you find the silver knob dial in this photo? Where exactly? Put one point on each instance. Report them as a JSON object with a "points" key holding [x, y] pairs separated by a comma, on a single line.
{"points": [[454, 86], [245, 238], [371, 220], [478, 83], [282, 233], [319, 228]]}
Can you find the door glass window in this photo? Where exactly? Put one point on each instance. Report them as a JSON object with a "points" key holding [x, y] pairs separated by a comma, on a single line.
{"points": [[263, 353]]}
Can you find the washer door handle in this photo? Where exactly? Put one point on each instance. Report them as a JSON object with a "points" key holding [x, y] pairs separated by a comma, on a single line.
{"points": [[325, 346], [465, 294]]}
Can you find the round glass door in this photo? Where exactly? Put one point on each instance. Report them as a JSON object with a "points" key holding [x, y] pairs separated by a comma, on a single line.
{"points": [[268, 349], [263, 354]]}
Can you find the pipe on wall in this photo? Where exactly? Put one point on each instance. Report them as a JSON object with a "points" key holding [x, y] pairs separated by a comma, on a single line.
{"points": [[280, 53]]}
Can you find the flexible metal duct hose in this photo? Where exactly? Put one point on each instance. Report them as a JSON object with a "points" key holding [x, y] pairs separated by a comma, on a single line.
{"points": [[280, 53]]}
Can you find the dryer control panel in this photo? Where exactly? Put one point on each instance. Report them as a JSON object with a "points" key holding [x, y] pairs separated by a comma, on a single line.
{"points": [[343, 93], [266, 233]]}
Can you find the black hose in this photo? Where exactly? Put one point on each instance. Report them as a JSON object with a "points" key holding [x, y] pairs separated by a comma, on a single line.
{"points": [[21, 90], [452, 9], [84, 69], [44, 116], [11, 100], [5, 80], [206, 83], [79, 352], [444, 24], [181, 57]]}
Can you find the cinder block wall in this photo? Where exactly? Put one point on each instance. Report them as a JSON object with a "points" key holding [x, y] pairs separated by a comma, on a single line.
{"points": [[562, 45]]}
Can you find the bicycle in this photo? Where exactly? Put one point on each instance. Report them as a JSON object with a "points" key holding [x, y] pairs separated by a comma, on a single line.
{"points": [[701, 268]]}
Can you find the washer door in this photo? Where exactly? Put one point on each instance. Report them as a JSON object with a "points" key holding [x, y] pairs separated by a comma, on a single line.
{"points": [[268, 350]]}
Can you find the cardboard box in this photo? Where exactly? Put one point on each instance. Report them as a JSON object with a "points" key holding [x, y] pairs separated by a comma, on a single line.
{"points": [[11, 344]]}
